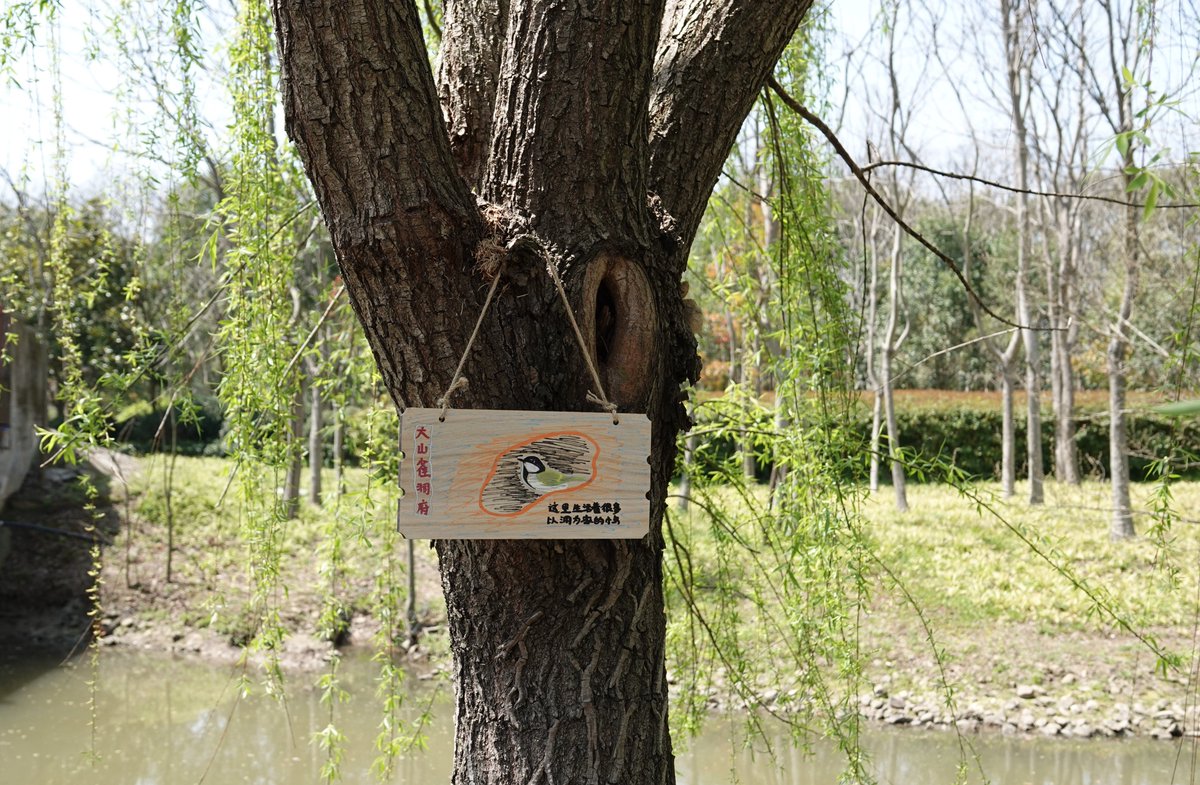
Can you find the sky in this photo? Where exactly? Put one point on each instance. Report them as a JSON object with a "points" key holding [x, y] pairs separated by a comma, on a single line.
{"points": [[97, 126]]}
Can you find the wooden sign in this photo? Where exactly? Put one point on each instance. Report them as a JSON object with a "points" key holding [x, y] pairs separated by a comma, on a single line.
{"points": [[486, 474]]}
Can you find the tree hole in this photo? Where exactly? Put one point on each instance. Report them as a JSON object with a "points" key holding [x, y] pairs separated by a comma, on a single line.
{"points": [[606, 321], [619, 324]]}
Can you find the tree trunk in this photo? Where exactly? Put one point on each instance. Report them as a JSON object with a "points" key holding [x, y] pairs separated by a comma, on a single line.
{"points": [[890, 344], [1124, 34], [872, 297], [592, 147], [291, 482], [316, 452], [1008, 435], [876, 436], [1017, 52], [339, 448], [685, 480], [1118, 435]]}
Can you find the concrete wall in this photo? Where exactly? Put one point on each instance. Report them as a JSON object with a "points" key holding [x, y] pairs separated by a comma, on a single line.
{"points": [[20, 405]]}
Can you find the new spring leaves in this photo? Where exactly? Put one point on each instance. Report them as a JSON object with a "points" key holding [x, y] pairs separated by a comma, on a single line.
{"points": [[487, 474]]}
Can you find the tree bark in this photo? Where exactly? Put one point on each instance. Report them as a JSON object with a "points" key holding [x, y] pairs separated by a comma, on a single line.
{"points": [[558, 645]]}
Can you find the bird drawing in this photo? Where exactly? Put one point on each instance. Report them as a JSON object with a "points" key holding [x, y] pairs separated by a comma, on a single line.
{"points": [[541, 479]]}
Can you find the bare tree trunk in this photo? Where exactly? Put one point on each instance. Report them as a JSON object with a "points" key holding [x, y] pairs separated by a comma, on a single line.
{"points": [[1066, 452], [316, 451], [597, 159], [411, 624], [339, 449], [872, 297], [876, 436], [1118, 435], [1127, 39], [1017, 53], [685, 480], [887, 353], [1008, 435], [291, 482]]}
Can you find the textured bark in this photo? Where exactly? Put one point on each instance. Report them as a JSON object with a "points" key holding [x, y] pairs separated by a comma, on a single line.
{"points": [[694, 117], [558, 645], [473, 34]]}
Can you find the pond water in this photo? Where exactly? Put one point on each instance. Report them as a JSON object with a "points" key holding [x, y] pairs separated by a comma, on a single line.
{"points": [[162, 721]]}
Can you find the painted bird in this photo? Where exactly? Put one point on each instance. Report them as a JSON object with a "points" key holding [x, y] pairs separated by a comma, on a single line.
{"points": [[541, 479]]}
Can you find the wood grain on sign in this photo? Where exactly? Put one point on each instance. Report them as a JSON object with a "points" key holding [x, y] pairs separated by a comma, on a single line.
{"points": [[486, 474]]}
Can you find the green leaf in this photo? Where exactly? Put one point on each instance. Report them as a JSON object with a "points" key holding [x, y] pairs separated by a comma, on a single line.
{"points": [[1151, 199], [1138, 182], [1123, 144]]}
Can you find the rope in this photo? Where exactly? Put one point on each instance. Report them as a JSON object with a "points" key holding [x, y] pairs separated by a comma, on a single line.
{"points": [[600, 400], [458, 381]]}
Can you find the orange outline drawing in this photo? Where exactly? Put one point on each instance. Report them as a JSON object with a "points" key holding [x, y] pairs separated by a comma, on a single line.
{"points": [[508, 451]]}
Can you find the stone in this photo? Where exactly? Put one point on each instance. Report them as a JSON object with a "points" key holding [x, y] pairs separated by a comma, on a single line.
{"points": [[1050, 729], [967, 725], [897, 719], [1083, 730], [880, 691], [897, 702], [1027, 691]]}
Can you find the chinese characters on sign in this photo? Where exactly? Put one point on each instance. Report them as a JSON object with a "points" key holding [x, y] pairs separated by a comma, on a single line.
{"points": [[422, 471], [586, 514]]}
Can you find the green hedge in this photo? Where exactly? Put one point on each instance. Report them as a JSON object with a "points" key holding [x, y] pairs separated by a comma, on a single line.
{"points": [[967, 434], [970, 438]]}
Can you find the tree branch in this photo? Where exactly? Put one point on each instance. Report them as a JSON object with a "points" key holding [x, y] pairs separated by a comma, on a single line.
{"points": [[473, 35], [1016, 190], [366, 58], [692, 125], [862, 178]]}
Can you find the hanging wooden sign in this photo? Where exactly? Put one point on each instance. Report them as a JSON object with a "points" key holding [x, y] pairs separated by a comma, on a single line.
{"points": [[486, 474]]}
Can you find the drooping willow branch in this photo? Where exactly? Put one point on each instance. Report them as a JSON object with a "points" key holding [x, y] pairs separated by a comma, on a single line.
{"points": [[865, 181]]}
